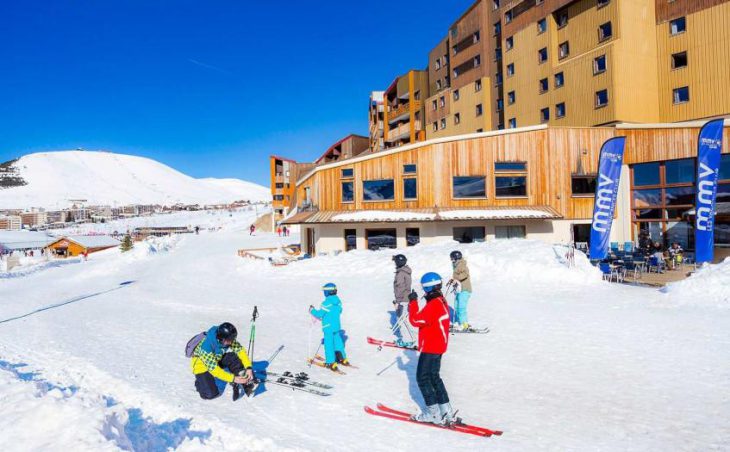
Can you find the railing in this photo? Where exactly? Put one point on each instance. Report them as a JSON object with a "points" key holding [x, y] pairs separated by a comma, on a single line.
{"points": [[404, 129], [403, 109]]}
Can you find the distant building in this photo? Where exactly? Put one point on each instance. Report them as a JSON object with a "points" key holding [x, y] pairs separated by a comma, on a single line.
{"points": [[10, 223], [404, 109], [33, 219], [78, 244], [376, 120]]}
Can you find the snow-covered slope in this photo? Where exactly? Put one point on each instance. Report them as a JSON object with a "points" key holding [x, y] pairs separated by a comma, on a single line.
{"points": [[53, 178]]}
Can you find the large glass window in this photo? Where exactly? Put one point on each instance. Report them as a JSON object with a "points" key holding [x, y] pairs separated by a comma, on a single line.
{"points": [[725, 167], [378, 190], [645, 198], [510, 232], [380, 238], [348, 192], [469, 234], [410, 188], [583, 185], [510, 186], [510, 166], [681, 232], [646, 174], [680, 171], [413, 236], [649, 214], [469, 187]]}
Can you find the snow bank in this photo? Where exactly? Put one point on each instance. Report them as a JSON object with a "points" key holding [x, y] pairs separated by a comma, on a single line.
{"points": [[709, 285]]}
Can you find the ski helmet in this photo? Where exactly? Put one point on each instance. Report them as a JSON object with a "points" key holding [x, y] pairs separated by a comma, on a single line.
{"points": [[431, 281], [226, 332], [455, 255], [329, 289], [400, 260]]}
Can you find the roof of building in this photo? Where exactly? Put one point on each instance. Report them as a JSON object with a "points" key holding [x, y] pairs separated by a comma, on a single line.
{"points": [[22, 240], [92, 241], [418, 215]]}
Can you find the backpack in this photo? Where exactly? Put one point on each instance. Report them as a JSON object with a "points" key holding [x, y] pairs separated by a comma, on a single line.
{"points": [[193, 343]]}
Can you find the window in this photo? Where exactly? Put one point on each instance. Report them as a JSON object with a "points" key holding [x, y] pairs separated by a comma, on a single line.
{"points": [[417, 95], [605, 31], [500, 167], [560, 110], [350, 239], [679, 60], [434, 105], [677, 26], [602, 3], [510, 70], [347, 172], [559, 80], [477, 60], [410, 188], [378, 190], [348, 192], [599, 65], [681, 95], [495, 4], [442, 101], [500, 105], [438, 64], [475, 37], [413, 236], [438, 84], [381, 238], [435, 126], [498, 53], [680, 171], [279, 185], [646, 174], [509, 43], [457, 118], [469, 234], [478, 85], [469, 187], [601, 98], [541, 26], [409, 168], [511, 97], [509, 232], [497, 28], [583, 185], [443, 123], [479, 110], [562, 18], [545, 115], [498, 79], [456, 94], [500, 126], [508, 17], [508, 187], [480, 130], [512, 123], [542, 55], [543, 85], [563, 50], [724, 167]]}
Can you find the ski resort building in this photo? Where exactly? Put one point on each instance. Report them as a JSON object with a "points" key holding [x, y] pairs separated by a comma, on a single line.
{"points": [[79, 244], [533, 182]]}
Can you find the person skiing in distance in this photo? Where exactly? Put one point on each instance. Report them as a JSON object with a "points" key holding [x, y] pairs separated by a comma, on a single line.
{"points": [[433, 339], [460, 276], [219, 360], [251, 229], [329, 314], [401, 289]]}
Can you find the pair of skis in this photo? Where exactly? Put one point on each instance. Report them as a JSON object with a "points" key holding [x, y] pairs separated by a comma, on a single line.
{"points": [[470, 330], [458, 426], [319, 361], [380, 344], [296, 382]]}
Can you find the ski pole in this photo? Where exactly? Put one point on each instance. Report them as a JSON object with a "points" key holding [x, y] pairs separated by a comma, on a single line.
{"points": [[252, 335], [311, 360]]}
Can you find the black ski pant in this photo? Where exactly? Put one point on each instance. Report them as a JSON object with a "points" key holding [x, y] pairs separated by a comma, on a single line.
{"points": [[210, 387], [429, 381]]}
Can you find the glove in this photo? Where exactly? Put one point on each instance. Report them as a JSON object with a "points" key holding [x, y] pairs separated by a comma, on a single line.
{"points": [[413, 296]]}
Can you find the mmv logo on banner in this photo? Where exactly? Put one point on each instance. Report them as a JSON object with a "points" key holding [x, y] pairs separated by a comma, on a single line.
{"points": [[709, 148], [609, 174]]}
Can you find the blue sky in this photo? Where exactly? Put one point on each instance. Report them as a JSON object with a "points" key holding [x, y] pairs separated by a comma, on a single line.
{"points": [[209, 88]]}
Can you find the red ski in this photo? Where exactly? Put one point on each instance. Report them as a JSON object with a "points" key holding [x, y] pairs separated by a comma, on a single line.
{"points": [[382, 344], [488, 431], [391, 414]]}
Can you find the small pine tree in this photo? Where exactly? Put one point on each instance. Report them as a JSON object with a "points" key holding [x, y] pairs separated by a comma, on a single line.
{"points": [[127, 243]]}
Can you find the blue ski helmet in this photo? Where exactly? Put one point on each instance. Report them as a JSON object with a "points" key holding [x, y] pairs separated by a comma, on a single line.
{"points": [[430, 281], [329, 289]]}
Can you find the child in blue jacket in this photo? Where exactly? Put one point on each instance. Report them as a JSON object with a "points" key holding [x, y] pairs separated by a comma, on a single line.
{"points": [[329, 313]]}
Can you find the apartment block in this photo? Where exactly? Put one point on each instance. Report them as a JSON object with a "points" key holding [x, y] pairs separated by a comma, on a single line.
{"points": [[10, 223], [376, 121], [350, 146], [404, 111], [33, 219]]}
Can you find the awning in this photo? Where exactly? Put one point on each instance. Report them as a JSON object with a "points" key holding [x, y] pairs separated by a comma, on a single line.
{"points": [[424, 215]]}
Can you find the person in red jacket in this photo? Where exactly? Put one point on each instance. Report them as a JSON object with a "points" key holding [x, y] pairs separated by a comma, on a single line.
{"points": [[433, 339]]}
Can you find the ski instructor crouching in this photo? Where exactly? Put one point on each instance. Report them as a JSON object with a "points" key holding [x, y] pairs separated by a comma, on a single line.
{"points": [[219, 360], [433, 338]]}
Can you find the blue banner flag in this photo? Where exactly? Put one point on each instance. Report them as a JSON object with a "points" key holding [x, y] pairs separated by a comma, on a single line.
{"points": [[708, 162], [609, 174]]}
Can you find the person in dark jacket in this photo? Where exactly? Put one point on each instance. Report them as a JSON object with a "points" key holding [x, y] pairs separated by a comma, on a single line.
{"points": [[401, 290], [433, 339]]}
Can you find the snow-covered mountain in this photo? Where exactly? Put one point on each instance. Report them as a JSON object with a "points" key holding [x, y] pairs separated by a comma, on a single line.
{"points": [[51, 179]]}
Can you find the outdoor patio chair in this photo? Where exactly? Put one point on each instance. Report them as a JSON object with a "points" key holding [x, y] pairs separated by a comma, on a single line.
{"points": [[656, 264]]}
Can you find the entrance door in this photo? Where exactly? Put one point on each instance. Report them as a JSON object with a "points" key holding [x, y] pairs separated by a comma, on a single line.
{"points": [[310, 242]]}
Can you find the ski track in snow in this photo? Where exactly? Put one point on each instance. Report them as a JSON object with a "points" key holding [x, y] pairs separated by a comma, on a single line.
{"points": [[570, 363]]}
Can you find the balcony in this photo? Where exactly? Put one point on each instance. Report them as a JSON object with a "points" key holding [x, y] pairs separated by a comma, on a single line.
{"points": [[403, 110], [404, 130]]}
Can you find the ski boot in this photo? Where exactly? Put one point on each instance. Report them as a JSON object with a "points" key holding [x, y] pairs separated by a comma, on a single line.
{"points": [[448, 415], [405, 344], [236, 391], [430, 415], [332, 366], [465, 327]]}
